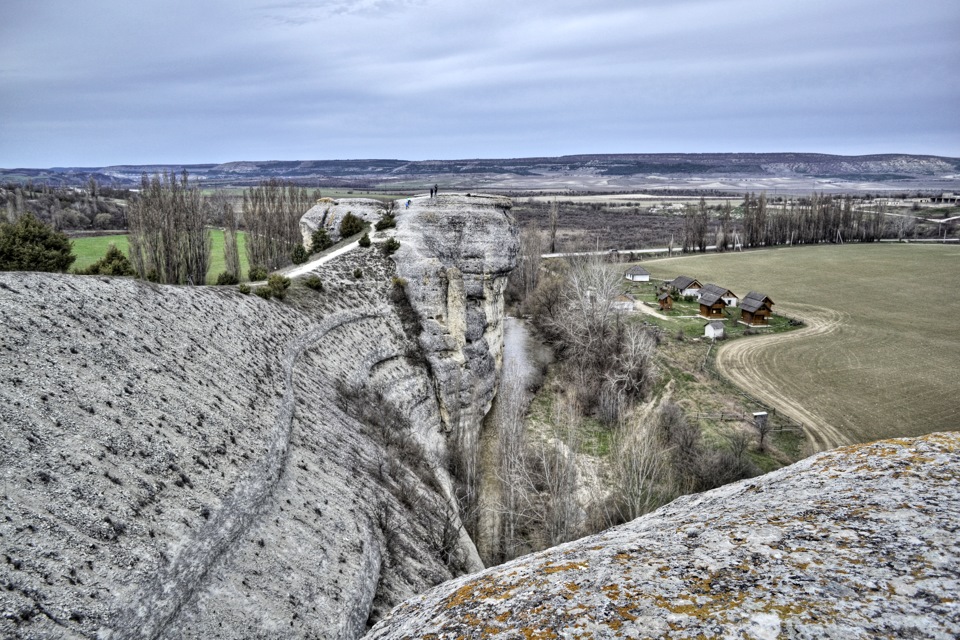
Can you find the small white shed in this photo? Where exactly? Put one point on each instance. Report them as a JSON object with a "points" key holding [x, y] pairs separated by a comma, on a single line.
{"points": [[713, 330], [638, 274]]}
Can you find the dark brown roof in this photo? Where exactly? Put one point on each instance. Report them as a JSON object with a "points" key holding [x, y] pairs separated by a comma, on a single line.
{"points": [[717, 289], [683, 282], [711, 298], [754, 301]]}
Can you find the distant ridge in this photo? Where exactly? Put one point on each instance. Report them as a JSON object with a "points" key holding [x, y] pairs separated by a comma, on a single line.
{"points": [[589, 171]]}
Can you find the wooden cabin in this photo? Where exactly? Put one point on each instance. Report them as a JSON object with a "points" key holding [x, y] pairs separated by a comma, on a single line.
{"points": [[756, 309], [665, 301], [713, 330], [686, 286], [712, 305], [729, 297], [637, 274]]}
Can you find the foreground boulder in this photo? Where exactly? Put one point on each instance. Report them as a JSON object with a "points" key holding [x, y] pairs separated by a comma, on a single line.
{"points": [[860, 542]]}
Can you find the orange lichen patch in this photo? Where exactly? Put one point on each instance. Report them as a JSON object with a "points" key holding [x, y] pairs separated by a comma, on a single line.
{"points": [[538, 634], [550, 568], [503, 617], [623, 557], [572, 586], [612, 591], [483, 588]]}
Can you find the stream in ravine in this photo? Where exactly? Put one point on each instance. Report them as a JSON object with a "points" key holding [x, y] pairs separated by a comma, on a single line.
{"points": [[525, 359]]}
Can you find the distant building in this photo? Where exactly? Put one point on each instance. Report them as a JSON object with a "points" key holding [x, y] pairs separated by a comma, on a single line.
{"points": [[713, 330], [638, 274], [624, 302], [756, 309], [946, 198], [665, 301], [686, 286]]}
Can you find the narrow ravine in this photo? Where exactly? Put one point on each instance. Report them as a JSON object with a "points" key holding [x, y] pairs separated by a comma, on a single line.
{"points": [[160, 599]]}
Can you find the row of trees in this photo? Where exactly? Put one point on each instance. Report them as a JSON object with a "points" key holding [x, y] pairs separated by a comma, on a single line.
{"points": [[168, 223], [819, 218], [169, 238]]}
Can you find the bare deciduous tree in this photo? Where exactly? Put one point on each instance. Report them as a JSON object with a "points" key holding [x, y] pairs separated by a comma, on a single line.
{"points": [[271, 214], [554, 222], [224, 209], [169, 239]]}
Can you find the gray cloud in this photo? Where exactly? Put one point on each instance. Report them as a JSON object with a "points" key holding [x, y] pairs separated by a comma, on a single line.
{"points": [[215, 81]]}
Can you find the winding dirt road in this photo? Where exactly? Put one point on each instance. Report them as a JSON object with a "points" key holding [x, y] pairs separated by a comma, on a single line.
{"points": [[753, 365]]}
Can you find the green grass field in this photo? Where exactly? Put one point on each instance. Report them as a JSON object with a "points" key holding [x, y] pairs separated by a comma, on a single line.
{"points": [[89, 250], [889, 364]]}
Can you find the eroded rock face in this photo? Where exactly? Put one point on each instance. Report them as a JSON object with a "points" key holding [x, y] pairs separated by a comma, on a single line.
{"points": [[456, 252], [860, 542], [191, 462], [329, 213]]}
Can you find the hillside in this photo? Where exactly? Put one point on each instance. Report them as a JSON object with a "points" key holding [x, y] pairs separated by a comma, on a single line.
{"points": [[192, 462], [601, 172], [854, 543]]}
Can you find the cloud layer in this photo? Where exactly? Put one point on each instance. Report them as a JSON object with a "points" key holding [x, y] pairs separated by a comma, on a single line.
{"points": [[417, 79]]}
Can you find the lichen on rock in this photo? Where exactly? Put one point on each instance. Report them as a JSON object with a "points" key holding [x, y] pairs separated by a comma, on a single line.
{"points": [[859, 542]]}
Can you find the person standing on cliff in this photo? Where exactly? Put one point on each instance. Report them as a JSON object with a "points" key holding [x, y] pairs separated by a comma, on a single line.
{"points": [[435, 189]]}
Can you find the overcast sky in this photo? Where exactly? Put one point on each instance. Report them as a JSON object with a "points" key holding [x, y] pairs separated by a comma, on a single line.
{"points": [[192, 81]]}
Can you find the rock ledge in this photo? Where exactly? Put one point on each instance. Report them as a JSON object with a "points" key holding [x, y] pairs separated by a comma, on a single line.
{"points": [[860, 542]]}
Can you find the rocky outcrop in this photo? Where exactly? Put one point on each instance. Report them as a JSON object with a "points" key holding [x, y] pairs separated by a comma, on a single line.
{"points": [[456, 252], [329, 213], [860, 542], [191, 462]]}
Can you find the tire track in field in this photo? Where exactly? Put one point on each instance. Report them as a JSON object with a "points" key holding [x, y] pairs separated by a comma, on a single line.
{"points": [[161, 598], [749, 365]]}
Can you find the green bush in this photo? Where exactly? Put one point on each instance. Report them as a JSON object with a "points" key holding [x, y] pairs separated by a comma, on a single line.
{"points": [[299, 255], [364, 240], [31, 245], [113, 263], [257, 273], [278, 285], [264, 292], [313, 282], [320, 240], [350, 225], [390, 246], [357, 273], [244, 288], [227, 278], [386, 222]]}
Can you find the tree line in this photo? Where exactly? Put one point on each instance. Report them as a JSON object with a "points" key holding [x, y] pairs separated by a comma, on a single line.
{"points": [[810, 220], [169, 226]]}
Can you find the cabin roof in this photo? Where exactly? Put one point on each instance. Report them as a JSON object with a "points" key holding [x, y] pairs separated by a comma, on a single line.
{"points": [[637, 270], [663, 296], [717, 289], [754, 301], [711, 298], [716, 324], [684, 282]]}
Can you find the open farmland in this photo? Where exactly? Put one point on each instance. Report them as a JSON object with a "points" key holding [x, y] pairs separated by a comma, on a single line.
{"points": [[881, 357]]}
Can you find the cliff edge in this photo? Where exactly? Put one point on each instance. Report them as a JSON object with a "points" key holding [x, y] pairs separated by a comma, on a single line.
{"points": [[185, 462], [860, 542]]}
